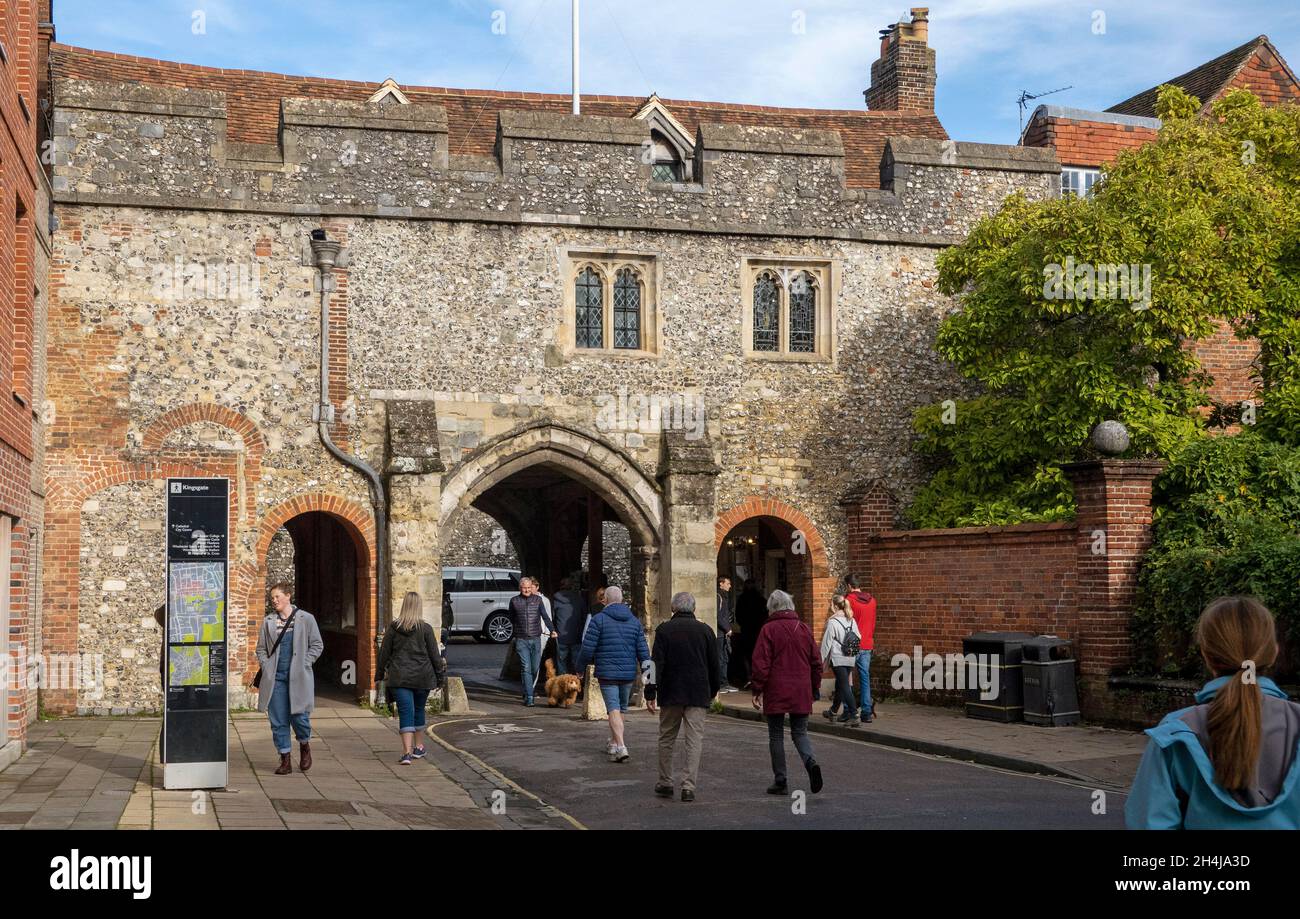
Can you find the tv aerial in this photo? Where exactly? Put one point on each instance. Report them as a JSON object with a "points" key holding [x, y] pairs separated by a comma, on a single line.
{"points": [[1026, 96]]}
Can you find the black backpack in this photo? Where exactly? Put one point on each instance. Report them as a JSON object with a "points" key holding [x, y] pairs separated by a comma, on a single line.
{"points": [[851, 643]]}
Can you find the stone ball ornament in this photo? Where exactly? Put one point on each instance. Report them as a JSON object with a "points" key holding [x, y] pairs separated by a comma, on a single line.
{"points": [[1110, 438]]}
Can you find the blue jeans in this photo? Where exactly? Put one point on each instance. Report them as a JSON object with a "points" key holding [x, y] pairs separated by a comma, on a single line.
{"points": [[864, 681], [530, 658], [566, 657], [278, 712], [617, 696], [411, 709]]}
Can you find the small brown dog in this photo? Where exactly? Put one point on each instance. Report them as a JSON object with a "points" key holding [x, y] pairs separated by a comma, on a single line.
{"points": [[562, 689]]}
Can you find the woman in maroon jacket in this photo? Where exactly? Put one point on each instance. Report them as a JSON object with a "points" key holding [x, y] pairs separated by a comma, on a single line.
{"points": [[787, 676]]}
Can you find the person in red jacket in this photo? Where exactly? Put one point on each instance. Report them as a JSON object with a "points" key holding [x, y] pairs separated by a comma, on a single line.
{"points": [[786, 677], [864, 614]]}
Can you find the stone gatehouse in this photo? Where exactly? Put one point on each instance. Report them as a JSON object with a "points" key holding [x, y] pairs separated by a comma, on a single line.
{"points": [[706, 323]]}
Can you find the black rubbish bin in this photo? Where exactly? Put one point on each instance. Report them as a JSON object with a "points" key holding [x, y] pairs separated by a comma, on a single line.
{"points": [[998, 653], [1051, 695]]}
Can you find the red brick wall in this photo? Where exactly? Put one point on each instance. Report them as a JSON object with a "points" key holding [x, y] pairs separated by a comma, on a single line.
{"points": [[1267, 76], [1231, 360], [1085, 143], [19, 111], [935, 587]]}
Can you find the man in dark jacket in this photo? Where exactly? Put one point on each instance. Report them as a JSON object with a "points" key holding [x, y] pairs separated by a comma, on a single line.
{"points": [[684, 680], [724, 630], [528, 613], [787, 677], [570, 609]]}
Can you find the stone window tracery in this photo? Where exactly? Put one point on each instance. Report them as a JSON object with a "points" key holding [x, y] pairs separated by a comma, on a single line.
{"points": [[611, 304], [788, 309], [589, 290]]}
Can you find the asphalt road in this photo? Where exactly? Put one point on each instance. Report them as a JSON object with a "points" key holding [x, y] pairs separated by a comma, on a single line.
{"points": [[560, 758]]}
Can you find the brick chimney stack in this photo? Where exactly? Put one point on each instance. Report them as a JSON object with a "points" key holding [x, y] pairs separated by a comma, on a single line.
{"points": [[902, 80]]}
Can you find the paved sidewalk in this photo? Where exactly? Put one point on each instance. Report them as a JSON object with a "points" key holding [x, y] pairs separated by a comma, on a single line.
{"points": [[1092, 754], [102, 773]]}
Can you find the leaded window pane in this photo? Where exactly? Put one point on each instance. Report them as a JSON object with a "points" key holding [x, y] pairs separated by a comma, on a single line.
{"points": [[664, 172], [767, 310], [627, 310], [803, 315], [589, 297]]}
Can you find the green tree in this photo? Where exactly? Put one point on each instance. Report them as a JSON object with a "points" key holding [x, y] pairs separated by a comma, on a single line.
{"points": [[1210, 213]]}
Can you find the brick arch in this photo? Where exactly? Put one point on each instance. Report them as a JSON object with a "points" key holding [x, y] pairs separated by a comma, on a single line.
{"points": [[195, 412], [359, 523], [760, 506], [815, 589]]}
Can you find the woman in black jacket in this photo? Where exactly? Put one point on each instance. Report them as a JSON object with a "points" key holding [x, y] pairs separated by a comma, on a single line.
{"points": [[409, 655]]}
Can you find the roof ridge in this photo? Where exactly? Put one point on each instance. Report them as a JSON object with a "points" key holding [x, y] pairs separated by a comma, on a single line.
{"points": [[1241, 54], [521, 95]]}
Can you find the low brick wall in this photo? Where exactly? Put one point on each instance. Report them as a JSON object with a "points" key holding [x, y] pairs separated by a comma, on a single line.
{"points": [[935, 587], [1075, 580]]}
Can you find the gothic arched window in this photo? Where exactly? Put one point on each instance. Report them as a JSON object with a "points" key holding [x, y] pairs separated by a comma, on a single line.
{"points": [[589, 295], [803, 313], [627, 309], [767, 312]]}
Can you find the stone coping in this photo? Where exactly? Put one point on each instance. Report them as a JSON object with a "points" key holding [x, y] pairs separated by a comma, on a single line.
{"points": [[417, 117], [741, 138], [1011, 532], [917, 151]]}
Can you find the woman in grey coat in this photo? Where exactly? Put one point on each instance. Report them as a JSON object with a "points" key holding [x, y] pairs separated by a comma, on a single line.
{"points": [[288, 689]]}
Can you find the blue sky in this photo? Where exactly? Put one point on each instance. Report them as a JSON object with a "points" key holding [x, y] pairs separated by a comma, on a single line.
{"points": [[813, 53]]}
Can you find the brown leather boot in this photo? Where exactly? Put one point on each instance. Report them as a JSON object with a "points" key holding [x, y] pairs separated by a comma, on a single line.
{"points": [[286, 764], [304, 762]]}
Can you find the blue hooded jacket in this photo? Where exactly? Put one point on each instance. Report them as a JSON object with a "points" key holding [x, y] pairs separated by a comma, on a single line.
{"points": [[1175, 787], [616, 642]]}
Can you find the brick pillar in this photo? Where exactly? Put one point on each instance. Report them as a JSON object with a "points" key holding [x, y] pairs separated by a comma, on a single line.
{"points": [[867, 513], [1113, 498]]}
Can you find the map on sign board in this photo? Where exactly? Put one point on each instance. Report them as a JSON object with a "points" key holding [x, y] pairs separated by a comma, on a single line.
{"points": [[188, 666], [197, 602]]}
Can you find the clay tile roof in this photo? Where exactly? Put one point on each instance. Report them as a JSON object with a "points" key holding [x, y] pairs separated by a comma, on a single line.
{"points": [[253, 105], [1206, 82]]}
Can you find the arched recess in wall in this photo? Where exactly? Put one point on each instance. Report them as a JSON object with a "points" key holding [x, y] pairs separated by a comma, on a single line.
{"points": [[248, 465], [779, 547], [326, 528], [127, 538]]}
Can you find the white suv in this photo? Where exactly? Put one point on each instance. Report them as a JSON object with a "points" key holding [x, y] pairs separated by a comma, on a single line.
{"points": [[480, 601]]}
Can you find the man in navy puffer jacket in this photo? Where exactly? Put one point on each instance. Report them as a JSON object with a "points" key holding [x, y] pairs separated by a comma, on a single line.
{"points": [[616, 643]]}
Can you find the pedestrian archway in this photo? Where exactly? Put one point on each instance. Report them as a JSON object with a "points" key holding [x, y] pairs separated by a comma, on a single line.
{"points": [[552, 489], [326, 558]]}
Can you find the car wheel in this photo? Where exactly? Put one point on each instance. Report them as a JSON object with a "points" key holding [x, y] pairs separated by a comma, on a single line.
{"points": [[498, 628]]}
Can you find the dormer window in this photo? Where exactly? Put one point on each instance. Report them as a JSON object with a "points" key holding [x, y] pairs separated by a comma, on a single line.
{"points": [[667, 165], [670, 149]]}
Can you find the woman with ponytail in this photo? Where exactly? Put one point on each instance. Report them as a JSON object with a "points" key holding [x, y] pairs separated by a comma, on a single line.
{"points": [[1230, 761]]}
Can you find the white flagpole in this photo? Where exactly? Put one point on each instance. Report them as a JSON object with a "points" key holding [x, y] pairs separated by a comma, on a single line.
{"points": [[577, 99]]}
